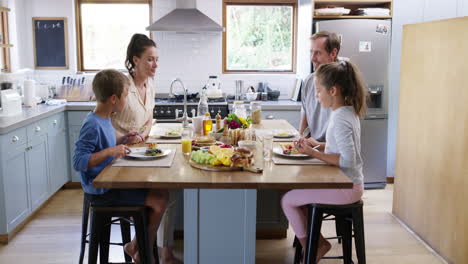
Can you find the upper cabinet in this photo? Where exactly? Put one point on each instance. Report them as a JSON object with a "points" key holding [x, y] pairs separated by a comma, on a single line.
{"points": [[4, 41], [352, 9]]}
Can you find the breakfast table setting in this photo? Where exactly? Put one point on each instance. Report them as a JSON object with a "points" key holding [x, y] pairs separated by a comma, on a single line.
{"points": [[220, 181]]}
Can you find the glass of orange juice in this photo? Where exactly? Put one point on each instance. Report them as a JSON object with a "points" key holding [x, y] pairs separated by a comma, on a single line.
{"points": [[186, 141]]}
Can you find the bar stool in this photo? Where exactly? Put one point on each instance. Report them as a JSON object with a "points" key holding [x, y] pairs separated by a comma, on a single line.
{"points": [[349, 218], [124, 228], [101, 228]]}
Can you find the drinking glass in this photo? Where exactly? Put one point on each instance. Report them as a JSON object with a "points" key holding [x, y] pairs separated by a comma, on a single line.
{"points": [[186, 141], [267, 145]]}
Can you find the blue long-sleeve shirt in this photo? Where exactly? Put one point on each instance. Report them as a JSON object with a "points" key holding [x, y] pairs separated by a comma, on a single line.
{"points": [[96, 134]]}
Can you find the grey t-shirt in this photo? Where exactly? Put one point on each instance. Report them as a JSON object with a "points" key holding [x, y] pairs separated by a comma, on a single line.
{"points": [[344, 138], [317, 116]]}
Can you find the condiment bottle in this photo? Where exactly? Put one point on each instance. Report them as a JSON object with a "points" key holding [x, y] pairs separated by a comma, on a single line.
{"points": [[256, 112], [207, 124], [218, 122]]}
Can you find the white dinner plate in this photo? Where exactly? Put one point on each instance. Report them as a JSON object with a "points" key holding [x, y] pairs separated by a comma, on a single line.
{"points": [[170, 136], [140, 153], [279, 151], [284, 134]]}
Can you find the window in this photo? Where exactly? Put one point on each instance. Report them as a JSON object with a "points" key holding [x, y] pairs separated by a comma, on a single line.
{"points": [[4, 41], [260, 36], [105, 28]]}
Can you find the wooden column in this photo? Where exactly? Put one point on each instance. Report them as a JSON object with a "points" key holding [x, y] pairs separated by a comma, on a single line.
{"points": [[431, 173]]}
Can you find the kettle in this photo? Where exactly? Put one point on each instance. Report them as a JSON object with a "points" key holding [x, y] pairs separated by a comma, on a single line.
{"points": [[213, 87]]}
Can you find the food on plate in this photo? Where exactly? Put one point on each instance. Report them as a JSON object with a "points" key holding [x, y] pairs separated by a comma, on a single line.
{"points": [[223, 155], [225, 146], [242, 157], [152, 145], [248, 144], [289, 149], [153, 152], [205, 140], [203, 157], [284, 133], [173, 133]]}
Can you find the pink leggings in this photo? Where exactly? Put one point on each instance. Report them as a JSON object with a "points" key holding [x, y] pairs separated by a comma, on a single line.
{"points": [[294, 199]]}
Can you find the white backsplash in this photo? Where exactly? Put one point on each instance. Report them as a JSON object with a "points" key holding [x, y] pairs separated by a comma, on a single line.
{"points": [[191, 57]]}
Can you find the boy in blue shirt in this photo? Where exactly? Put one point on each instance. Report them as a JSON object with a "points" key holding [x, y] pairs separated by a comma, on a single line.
{"points": [[97, 147]]}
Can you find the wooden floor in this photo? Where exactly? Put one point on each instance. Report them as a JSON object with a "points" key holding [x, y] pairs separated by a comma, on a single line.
{"points": [[53, 236]]}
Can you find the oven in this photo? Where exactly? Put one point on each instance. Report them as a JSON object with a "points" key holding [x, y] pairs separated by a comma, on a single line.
{"points": [[166, 109]]}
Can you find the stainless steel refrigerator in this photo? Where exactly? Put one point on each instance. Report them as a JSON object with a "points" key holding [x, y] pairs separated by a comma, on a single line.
{"points": [[366, 42]]}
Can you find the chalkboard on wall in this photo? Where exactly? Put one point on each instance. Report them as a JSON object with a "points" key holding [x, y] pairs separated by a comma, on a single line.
{"points": [[50, 42]]}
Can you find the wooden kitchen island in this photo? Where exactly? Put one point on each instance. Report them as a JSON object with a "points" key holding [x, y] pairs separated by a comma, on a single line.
{"points": [[220, 207]]}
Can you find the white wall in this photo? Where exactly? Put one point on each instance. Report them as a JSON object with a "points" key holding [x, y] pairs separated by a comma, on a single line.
{"points": [[191, 57], [410, 12]]}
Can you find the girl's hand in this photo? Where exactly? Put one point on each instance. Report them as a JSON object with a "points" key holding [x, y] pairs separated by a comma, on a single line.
{"points": [[119, 151], [305, 149], [312, 142]]}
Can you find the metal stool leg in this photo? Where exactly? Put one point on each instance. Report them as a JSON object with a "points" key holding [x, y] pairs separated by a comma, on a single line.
{"points": [[315, 224], [126, 236], [142, 238], [84, 228], [359, 240], [96, 225]]}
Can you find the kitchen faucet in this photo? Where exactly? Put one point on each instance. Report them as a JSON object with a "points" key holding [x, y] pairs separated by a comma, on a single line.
{"points": [[184, 118]]}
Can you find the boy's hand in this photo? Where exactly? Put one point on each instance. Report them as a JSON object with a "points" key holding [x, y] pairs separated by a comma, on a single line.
{"points": [[119, 151]]}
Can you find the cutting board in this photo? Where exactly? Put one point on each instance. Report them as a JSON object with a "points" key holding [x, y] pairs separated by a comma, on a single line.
{"points": [[253, 168]]}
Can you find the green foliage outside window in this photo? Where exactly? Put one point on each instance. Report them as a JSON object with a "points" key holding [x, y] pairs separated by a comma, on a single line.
{"points": [[259, 37]]}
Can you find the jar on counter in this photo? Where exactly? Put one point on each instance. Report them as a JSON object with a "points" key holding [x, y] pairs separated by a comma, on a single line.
{"points": [[256, 112], [239, 109]]}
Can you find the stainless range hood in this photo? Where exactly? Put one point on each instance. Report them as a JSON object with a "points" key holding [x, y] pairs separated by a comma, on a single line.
{"points": [[186, 18]]}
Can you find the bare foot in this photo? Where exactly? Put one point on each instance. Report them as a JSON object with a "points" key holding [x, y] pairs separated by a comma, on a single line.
{"points": [[132, 251], [167, 256], [323, 249]]}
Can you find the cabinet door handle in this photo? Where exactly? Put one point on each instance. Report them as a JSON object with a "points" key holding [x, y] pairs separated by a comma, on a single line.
{"points": [[54, 122], [270, 117], [28, 148], [38, 128], [14, 138]]}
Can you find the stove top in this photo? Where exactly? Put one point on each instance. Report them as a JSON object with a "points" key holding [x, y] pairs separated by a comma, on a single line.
{"points": [[215, 101]]}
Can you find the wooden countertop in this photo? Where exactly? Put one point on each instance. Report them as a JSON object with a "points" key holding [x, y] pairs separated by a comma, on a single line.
{"points": [[182, 176]]}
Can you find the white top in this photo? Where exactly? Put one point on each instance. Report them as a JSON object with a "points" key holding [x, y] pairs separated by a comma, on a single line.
{"points": [[344, 138], [136, 113], [317, 116]]}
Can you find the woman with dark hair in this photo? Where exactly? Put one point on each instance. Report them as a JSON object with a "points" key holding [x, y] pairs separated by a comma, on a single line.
{"points": [[135, 121]]}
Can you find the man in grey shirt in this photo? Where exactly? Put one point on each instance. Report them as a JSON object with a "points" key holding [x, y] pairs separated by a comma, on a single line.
{"points": [[325, 47]]}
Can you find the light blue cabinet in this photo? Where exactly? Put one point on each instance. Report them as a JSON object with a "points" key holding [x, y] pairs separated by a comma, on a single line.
{"points": [[38, 171], [15, 187], [75, 120], [58, 152]]}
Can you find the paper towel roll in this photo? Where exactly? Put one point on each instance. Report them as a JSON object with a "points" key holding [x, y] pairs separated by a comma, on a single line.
{"points": [[29, 93]]}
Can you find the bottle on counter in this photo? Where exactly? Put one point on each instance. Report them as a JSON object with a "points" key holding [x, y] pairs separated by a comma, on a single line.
{"points": [[218, 122], [256, 112], [239, 109], [207, 124], [203, 104]]}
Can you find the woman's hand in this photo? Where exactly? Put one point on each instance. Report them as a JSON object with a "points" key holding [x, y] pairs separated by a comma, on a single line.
{"points": [[133, 137], [119, 151]]}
